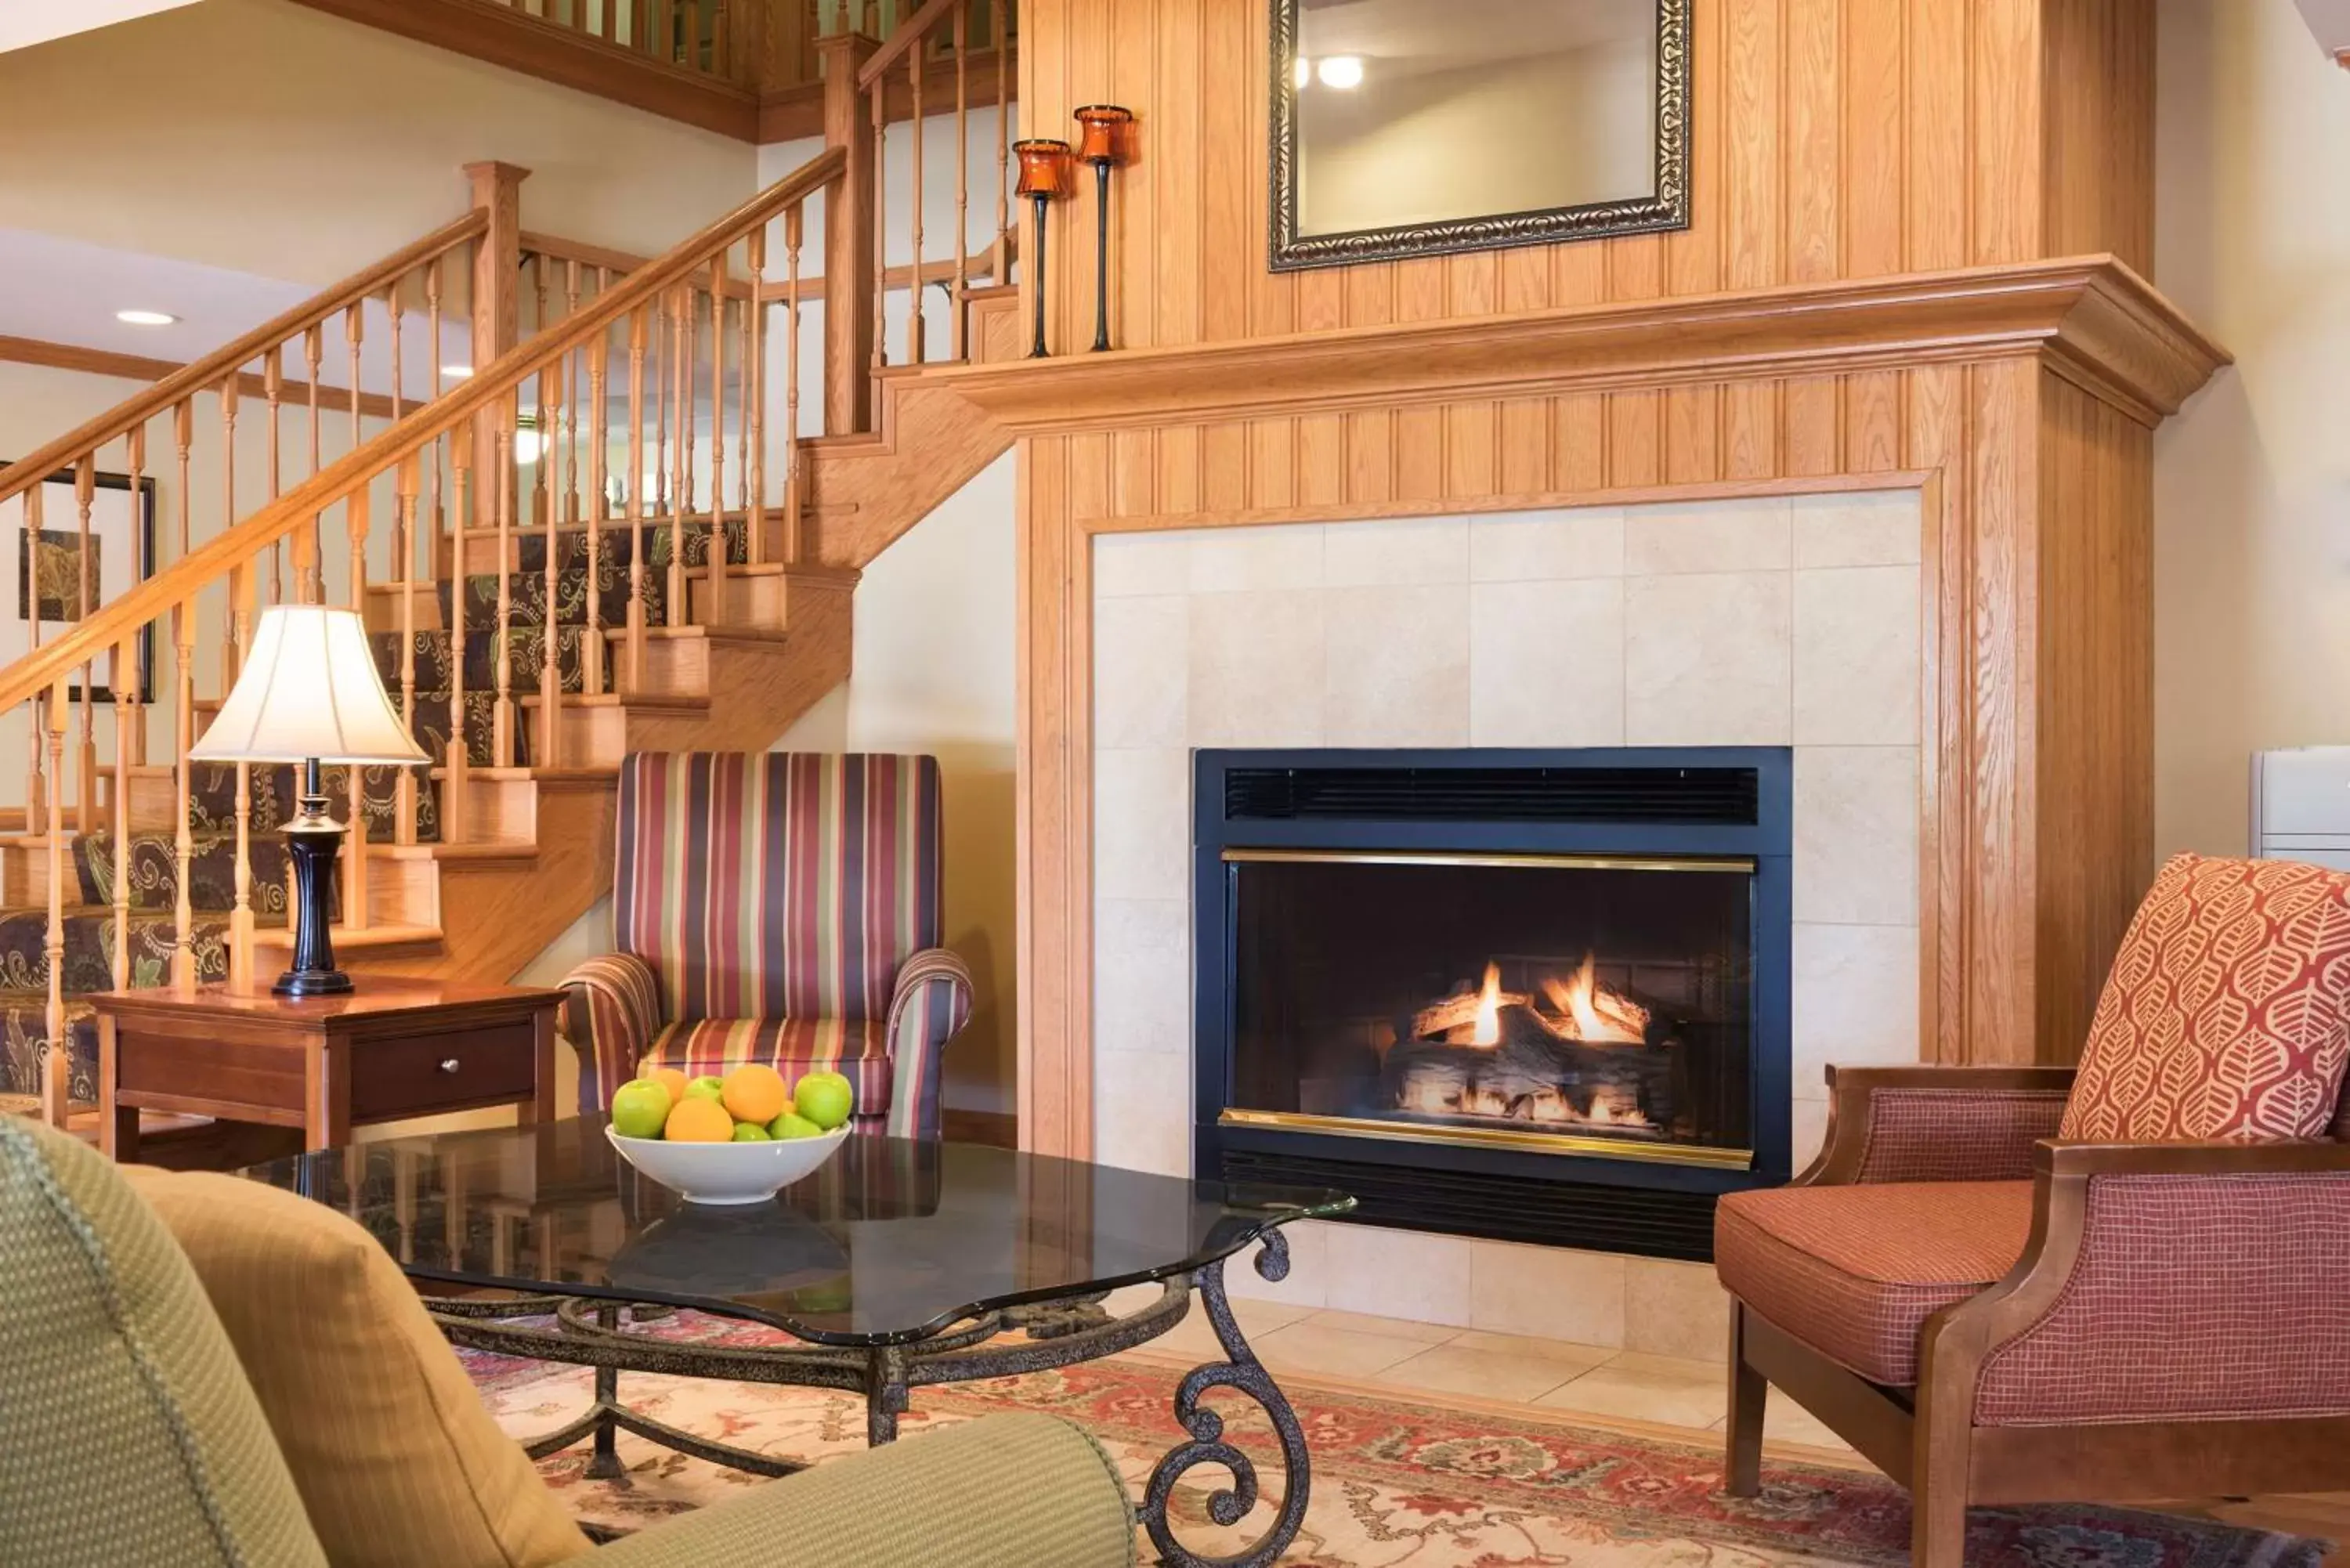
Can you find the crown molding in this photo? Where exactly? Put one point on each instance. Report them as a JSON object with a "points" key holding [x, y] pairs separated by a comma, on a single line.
{"points": [[2090, 319]]}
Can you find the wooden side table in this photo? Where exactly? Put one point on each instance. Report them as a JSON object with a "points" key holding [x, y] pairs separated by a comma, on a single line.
{"points": [[393, 1049]]}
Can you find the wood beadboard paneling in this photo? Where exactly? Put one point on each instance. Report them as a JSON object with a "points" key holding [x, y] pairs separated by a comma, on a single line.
{"points": [[2095, 697], [1830, 139]]}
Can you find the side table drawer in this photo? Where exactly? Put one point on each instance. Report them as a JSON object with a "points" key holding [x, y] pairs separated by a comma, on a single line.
{"points": [[393, 1078]]}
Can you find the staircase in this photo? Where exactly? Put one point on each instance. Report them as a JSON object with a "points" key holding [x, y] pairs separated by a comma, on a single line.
{"points": [[591, 546]]}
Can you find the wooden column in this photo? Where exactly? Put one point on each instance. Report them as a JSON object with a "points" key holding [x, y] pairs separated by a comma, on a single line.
{"points": [[850, 259], [497, 289]]}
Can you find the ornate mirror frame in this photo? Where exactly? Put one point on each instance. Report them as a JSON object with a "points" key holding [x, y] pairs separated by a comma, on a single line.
{"points": [[1668, 208]]}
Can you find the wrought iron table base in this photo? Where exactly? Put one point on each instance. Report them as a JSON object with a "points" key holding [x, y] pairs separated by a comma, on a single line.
{"points": [[1060, 1333]]}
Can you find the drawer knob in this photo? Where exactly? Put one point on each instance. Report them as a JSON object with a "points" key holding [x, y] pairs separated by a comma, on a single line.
{"points": [[449, 1065]]}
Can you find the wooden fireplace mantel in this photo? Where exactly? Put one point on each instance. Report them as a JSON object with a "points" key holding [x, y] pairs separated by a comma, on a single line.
{"points": [[2019, 399], [2089, 318]]}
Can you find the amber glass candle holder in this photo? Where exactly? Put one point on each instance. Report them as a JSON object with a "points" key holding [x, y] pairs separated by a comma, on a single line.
{"points": [[1103, 145], [1044, 179]]}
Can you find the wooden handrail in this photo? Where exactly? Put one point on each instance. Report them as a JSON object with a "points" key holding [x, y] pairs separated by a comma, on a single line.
{"points": [[112, 623], [202, 374], [909, 37]]}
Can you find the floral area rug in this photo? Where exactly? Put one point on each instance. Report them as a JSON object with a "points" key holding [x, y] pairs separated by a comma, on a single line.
{"points": [[1395, 1482]]}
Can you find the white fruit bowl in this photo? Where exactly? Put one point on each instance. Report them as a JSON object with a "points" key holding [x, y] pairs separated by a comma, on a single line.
{"points": [[727, 1172]]}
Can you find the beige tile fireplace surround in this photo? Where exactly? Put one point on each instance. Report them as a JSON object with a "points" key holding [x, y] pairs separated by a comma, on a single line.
{"points": [[1770, 621]]}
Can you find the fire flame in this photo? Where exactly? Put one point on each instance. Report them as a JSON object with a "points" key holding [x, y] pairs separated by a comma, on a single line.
{"points": [[1599, 1015], [1488, 1030]]}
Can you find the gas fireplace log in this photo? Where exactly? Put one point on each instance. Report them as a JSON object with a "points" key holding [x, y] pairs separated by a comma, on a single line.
{"points": [[1531, 1076]]}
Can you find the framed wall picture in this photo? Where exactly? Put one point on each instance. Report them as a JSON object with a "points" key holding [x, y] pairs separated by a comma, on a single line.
{"points": [[47, 588]]}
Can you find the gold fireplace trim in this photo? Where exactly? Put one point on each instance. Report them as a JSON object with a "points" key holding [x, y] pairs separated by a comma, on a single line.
{"points": [[1494, 1137], [1420, 858]]}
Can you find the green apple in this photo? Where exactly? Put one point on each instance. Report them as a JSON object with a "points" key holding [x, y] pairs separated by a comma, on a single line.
{"points": [[707, 1088], [750, 1132], [791, 1123], [825, 1098], [639, 1106]]}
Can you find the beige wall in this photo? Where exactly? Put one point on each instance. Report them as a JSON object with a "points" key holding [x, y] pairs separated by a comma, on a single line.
{"points": [[264, 136], [2252, 480]]}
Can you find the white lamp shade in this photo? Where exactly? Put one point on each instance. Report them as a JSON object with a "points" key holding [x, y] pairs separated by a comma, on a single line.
{"points": [[308, 689]]}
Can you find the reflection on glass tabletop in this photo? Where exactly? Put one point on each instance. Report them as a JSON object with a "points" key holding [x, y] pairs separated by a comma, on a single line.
{"points": [[889, 1242]]}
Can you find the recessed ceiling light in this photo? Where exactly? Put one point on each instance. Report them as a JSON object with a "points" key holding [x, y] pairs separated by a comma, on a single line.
{"points": [[459, 371], [1304, 71], [145, 318], [1340, 71]]}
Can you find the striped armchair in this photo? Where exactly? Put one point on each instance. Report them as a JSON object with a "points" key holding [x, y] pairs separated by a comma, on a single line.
{"points": [[780, 907]]}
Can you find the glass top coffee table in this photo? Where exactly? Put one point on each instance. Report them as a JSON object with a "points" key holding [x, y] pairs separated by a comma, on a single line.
{"points": [[896, 1264]]}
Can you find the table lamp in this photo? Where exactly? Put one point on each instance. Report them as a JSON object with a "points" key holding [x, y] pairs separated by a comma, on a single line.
{"points": [[310, 693]]}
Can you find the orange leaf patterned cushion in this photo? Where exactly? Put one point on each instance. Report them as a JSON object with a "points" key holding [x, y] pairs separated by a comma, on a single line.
{"points": [[2227, 1012]]}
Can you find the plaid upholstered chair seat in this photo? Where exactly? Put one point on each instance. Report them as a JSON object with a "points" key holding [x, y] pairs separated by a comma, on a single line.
{"points": [[856, 1047], [1860, 1269], [782, 907]]}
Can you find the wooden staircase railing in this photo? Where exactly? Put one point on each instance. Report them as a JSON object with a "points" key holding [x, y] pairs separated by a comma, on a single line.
{"points": [[614, 421]]}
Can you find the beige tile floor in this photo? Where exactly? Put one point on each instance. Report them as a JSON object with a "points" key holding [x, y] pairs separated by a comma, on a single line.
{"points": [[1430, 1358]]}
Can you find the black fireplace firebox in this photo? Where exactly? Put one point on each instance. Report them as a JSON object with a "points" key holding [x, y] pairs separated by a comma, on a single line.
{"points": [[1532, 995]]}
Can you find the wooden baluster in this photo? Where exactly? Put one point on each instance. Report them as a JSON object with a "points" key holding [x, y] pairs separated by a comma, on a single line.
{"points": [[234, 638], [571, 369], [956, 325], [591, 640], [550, 639], [124, 679], [404, 523], [85, 597], [456, 766], [673, 611], [999, 269], [746, 355], [272, 391], [431, 538], [665, 357], [689, 337], [56, 1063], [636, 628], [715, 613], [878, 107], [916, 337], [141, 566], [792, 499], [184, 729], [36, 792], [754, 398], [314, 357], [502, 734], [541, 481], [240, 920], [357, 521]]}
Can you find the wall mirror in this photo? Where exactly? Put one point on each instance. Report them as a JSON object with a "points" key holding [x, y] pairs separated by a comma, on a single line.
{"points": [[1408, 127]]}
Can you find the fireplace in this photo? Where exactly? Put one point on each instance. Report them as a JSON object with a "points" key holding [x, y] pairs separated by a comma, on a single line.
{"points": [[1534, 995]]}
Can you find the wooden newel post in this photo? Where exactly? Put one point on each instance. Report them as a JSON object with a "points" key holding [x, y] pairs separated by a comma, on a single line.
{"points": [[850, 262], [497, 292]]}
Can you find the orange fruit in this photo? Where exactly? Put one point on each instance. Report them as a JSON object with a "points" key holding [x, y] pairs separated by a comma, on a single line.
{"points": [[698, 1120], [753, 1093], [673, 1080]]}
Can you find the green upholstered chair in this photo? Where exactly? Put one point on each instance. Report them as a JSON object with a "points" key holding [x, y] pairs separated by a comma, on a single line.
{"points": [[133, 1435]]}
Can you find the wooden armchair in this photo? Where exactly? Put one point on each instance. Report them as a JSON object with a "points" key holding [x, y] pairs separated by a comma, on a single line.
{"points": [[2009, 1285]]}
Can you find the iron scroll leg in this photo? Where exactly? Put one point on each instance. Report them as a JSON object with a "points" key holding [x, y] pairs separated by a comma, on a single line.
{"points": [[604, 1461], [885, 1394], [1241, 1372]]}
